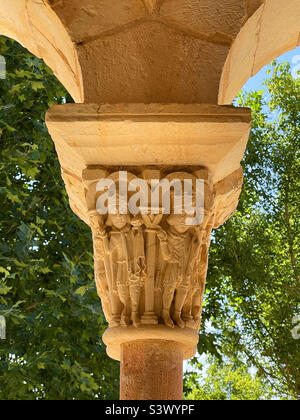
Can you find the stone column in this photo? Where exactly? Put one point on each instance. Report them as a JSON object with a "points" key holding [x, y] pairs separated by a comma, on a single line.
{"points": [[145, 75], [150, 267], [151, 370]]}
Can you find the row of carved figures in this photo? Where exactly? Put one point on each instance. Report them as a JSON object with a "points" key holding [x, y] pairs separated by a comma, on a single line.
{"points": [[122, 268]]}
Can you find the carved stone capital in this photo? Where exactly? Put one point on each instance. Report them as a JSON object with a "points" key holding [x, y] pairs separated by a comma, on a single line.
{"points": [[150, 268], [151, 265]]}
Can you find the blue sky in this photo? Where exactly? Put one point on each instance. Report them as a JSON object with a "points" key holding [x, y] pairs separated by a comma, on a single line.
{"points": [[255, 83]]}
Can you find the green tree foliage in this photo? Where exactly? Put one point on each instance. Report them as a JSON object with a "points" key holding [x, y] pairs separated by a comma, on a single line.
{"points": [[253, 282], [226, 382], [54, 319]]}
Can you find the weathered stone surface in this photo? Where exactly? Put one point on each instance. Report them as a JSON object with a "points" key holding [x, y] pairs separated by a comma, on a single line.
{"points": [[153, 5], [273, 42], [95, 18], [227, 197], [153, 51], [15, 24], [252, 6], [161, 142], [36, 26], [187, 42], [151, 370], [217, 20], [239, 64], [272, 30], [155, 134], [204, 17], [54, 45], [176, 68], [187, 338]]}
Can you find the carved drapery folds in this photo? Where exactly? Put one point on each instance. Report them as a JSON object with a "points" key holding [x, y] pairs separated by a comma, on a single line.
{"points": [[151, 268]]}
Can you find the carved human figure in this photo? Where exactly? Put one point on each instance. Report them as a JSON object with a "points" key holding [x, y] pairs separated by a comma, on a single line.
{"points": [[192, 308], [116, 247], [177, 272], [125, 246], [96, 224], [105, 281], [138, 273]]}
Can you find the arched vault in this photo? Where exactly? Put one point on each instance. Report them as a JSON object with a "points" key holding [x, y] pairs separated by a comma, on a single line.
{"points": [[273, 30], [153, 51], [35, 25]]}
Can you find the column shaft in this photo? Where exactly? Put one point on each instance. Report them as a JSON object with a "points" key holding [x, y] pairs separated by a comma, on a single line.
{"points": [[151, 370]]}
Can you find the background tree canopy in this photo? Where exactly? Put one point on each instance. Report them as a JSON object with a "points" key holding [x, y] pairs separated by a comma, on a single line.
{"points": [[253, 288], [54, 319]]}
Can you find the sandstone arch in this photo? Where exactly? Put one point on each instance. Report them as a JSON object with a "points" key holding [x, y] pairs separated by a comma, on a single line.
{"points": [[153, 51], [35, 25], [273, 30]]}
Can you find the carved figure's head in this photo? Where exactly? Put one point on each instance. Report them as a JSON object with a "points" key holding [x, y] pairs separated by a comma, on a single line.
{"points": [[178, 222], [119, 221]]}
